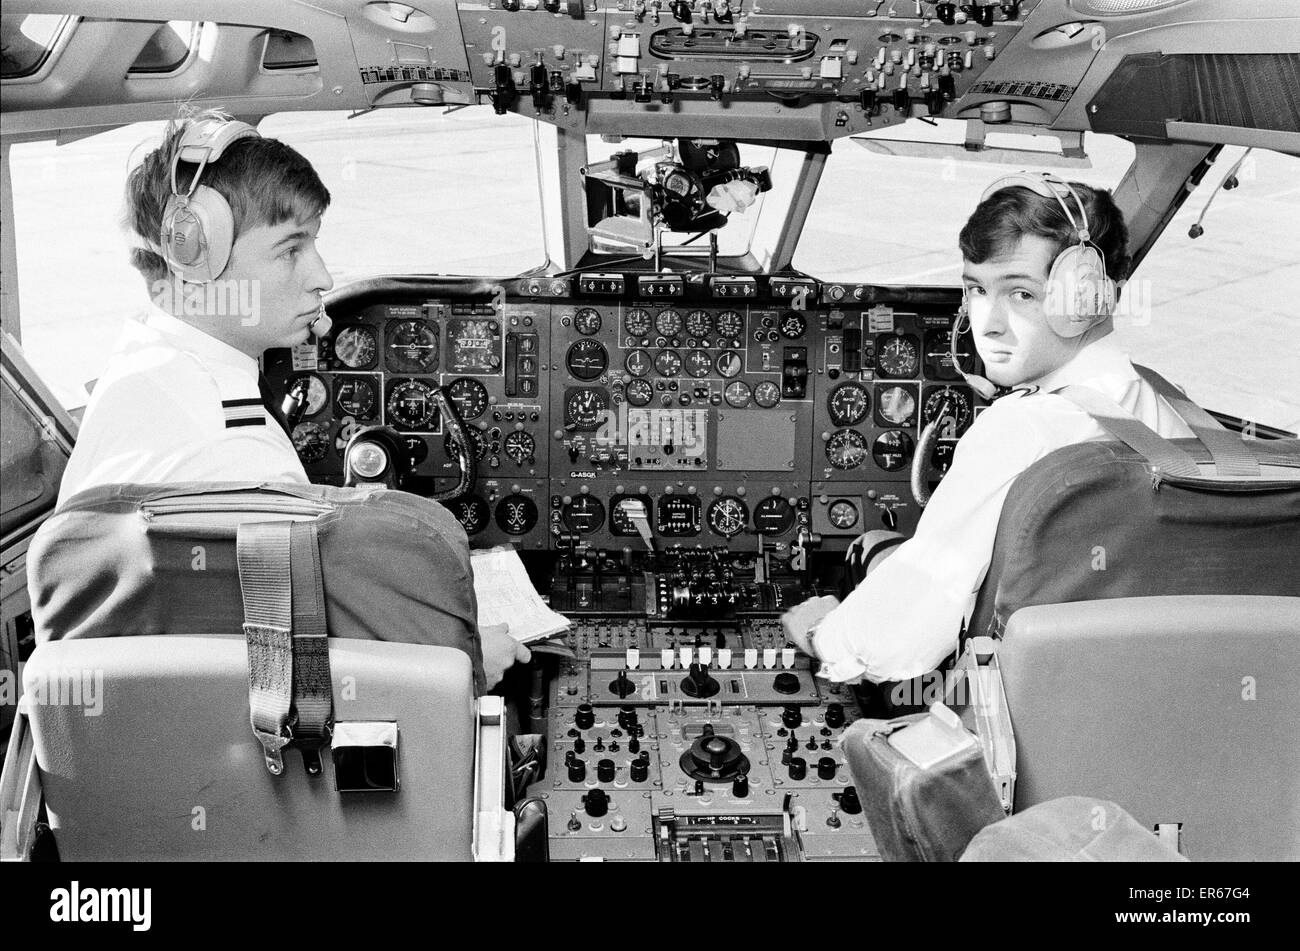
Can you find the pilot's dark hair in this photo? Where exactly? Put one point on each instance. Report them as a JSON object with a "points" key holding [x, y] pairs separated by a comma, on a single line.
{"points": [[265, 182], [1010, 213]]}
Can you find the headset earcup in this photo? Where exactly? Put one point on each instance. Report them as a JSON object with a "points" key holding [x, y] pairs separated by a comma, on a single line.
{"points": [[197, 235], [1079, 292]]}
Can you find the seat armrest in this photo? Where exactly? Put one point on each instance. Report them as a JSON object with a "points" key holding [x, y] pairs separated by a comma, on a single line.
{"points": [[494, 824], [20, 792]]}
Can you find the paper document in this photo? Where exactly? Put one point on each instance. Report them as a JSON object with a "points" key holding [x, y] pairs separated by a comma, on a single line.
{"points": [[506, 596]]}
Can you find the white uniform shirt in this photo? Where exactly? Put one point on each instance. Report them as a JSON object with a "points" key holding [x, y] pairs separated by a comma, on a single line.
{"points": [[905, 617], [176, 405]]}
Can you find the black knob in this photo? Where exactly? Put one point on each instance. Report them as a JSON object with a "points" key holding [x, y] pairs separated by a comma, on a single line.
{"points": [[634, 745], [868, 99], [902, 100], [946, 12], [826, 767], [849, 801], [740, 786], [716, 84], [699, 787], [579, 745], [596, 802], [639, 770], [791, 717], [786, 683], [798, 768], [835, 715], [585, 718], [605, 770], [622, 686], [577, 770]]}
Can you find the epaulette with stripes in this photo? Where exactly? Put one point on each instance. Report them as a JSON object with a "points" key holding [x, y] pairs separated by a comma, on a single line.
{"points": [[247, 412]]}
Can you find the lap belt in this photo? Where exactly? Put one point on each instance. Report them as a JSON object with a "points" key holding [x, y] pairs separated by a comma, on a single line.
{"points": [[290, 694]]}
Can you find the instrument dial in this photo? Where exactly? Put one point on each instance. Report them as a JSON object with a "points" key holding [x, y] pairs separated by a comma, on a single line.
{"points": [[668, 323], [677, 516], [959, 410], [317, 394], [893, 450], [471, 511], [585, 407], [898, 355], [699, 323], [774, 515], [584, 515], [896, 406], [698, 363], [731, 324], [639, 392], [848, 404], [478, 443], [520, 446], [729, 364], [728, 516], [843, 514], [587, 321], [470, 397], [846, 449], [411, 405], [312, 441], [793, 325], [355, 347], [586, 359], [516, 514], [638, 363], [411, 346], [737, 394], [355, 397], [767, 394], [637, 322], [668, 363]]}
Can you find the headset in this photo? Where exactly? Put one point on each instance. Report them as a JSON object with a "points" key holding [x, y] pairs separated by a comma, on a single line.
{"points": [[1080, 294], [198, 227]]}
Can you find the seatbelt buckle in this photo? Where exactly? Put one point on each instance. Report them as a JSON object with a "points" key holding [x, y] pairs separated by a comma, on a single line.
{"points": [[272, 749]]}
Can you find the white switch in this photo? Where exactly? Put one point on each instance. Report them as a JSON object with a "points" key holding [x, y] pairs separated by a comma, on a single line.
{"points": [[769, 657], [787, 657], [585, 72], [629, 44], [514, 59], [685, 653], [852, 57], [627, 65], [706, 656], [832, 67], [751, 658], [666, 658], [633, 658], [724, 658]]}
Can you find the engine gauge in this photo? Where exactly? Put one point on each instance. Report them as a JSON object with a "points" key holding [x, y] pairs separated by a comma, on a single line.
{"points": [[728, 516], [898, 355], [520, 446], [637, 322], [586, 359], [896, 406], [793, 325], [677, 516], [737, 394], [698, 363], [731, 324], [471, 511], [668, 323], [639, 392], [411, 405], [638, 363], [729, 364], [893, 450], [317, 394], [767, 394], [958, 410], [846, 449], [622, 508], [516, 514], [410, 346], [587, 321], [470, 397], [584, 515], [774, 515], [585, 407], [668, 363], [699, 323], [311, 440], [843, 514], [356, 347], [477, 442], [355, 396], [848, 404]]}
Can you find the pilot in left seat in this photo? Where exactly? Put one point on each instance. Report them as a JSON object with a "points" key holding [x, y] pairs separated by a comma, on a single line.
{"points": [[225, 225]]}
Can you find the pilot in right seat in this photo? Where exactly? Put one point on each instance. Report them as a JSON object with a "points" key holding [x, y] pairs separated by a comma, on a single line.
{"points": [[1031, 241], [182, 398]]}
